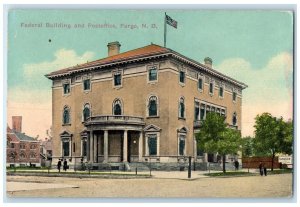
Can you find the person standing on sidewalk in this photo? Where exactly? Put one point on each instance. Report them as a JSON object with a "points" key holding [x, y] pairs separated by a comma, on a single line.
{"points": [[260, 168], [65, 165], [265, 170], [59, 165]]}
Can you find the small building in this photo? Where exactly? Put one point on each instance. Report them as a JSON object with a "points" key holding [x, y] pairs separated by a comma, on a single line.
{"points": [[21, 150], [46, 152]]}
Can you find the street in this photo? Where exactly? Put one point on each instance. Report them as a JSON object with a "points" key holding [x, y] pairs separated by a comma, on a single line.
{"points": [[160, 187]]}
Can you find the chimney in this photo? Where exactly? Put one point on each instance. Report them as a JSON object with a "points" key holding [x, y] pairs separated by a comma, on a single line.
{"points": [[17, 123], [113, 48], [208, 62]]}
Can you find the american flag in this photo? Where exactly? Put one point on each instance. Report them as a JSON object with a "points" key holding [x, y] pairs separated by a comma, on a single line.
{"points": [[171, 21]]}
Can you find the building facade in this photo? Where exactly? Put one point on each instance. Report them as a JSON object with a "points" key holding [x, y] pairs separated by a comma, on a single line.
{"points": [[21, 150], [144, 105]]}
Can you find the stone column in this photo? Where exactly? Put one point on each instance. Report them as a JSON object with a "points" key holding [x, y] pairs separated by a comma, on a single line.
{"points": [[105, 146], [91, 146], [95, 149], [125, 146], [141, 146]]}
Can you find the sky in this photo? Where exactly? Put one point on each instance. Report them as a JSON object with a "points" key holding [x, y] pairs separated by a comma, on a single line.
{"points": [[254, 47]]}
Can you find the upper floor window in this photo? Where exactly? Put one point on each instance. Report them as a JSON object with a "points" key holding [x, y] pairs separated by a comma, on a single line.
{"points": [[152, 106], [234, 119], [202, 111], [66, 115], [221, 91], [211, 88], [33, 146], [152, 73], [182, 76], [12, 145], [66, 87], [22, 146], [181, 108], [117, 79], [117, 107], [234, 96], [86, 84], [197, 110], [200, 84], [86, 112]]}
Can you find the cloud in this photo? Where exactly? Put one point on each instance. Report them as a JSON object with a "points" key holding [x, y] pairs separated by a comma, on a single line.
{"points": [[33, 97], [270, 88]]}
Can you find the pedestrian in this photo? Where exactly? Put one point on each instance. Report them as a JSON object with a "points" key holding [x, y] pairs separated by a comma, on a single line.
{"points": [[265, 170], [65, 165], [58, 165], [260, 168], [236, 165]]}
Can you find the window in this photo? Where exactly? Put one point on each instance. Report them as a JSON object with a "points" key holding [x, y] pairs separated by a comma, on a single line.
{"points": [[66, 87], [197, 108], [33, 146], [12, 145], [222, 112], [152, 144], [84, 148], [117, 79], [86, 84], [32, 155], [234, 119], [66, 148], [182, 77], [202, 112], [181, 145], [86, 112], [22, 155], [152, 106], [200, 84], [221, 92], [213, 109], [211, 88], [117, 107], [181, 108], [234, 96], [22, 146], [207, 109], [66, 115], [152, 73]]}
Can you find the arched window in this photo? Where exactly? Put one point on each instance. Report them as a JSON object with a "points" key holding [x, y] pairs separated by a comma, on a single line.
{"points": [[117, 107], [32, 155], [234, 119], [66, 115], [22, 155], [181, 108], [86, 112], [152, 106]]}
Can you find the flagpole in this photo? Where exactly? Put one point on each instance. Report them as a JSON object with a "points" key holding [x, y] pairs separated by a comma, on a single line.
{"points": [[165, 31]]}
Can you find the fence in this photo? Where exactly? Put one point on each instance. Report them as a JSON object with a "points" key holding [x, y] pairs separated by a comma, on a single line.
{"points": [[253, 162]]}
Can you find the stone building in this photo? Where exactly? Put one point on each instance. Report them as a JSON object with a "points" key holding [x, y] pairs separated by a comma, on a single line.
{"points": [[21, 149], [143, 105]]}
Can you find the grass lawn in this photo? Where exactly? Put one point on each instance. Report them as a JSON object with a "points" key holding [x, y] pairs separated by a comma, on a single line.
{"points": [[280, 171]]}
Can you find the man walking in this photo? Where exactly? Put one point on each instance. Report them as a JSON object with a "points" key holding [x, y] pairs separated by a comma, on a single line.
{"points": [[261, 169], [65, 165]]}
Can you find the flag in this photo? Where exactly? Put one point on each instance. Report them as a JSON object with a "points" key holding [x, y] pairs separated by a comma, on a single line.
{"points": [[171, 21]]}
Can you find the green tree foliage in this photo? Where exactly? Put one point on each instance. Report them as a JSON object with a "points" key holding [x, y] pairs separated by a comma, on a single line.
{"points": [[214, 136], [248, 146], [273, 135]]}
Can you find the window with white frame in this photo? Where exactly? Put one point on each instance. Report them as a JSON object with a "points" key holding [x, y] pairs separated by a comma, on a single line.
{"points": [[66, 88], [181, 108], [117, 79], [152, 144], [221, 91], [117, 107], [181, 76], [197, 111], [200, 84], [152, 73], [66, 148], [202, 112], [86, 113], [234, 119], [153, 106], [86, 84]]}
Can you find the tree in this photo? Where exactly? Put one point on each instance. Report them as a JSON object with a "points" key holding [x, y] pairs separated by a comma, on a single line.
{"points": [[214, 136], [248, 146], [273, 135]]}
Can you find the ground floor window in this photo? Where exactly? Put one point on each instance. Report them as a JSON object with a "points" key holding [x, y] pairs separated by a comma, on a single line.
{"points": [[66, 149], [181, 145], [152, 144]]}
